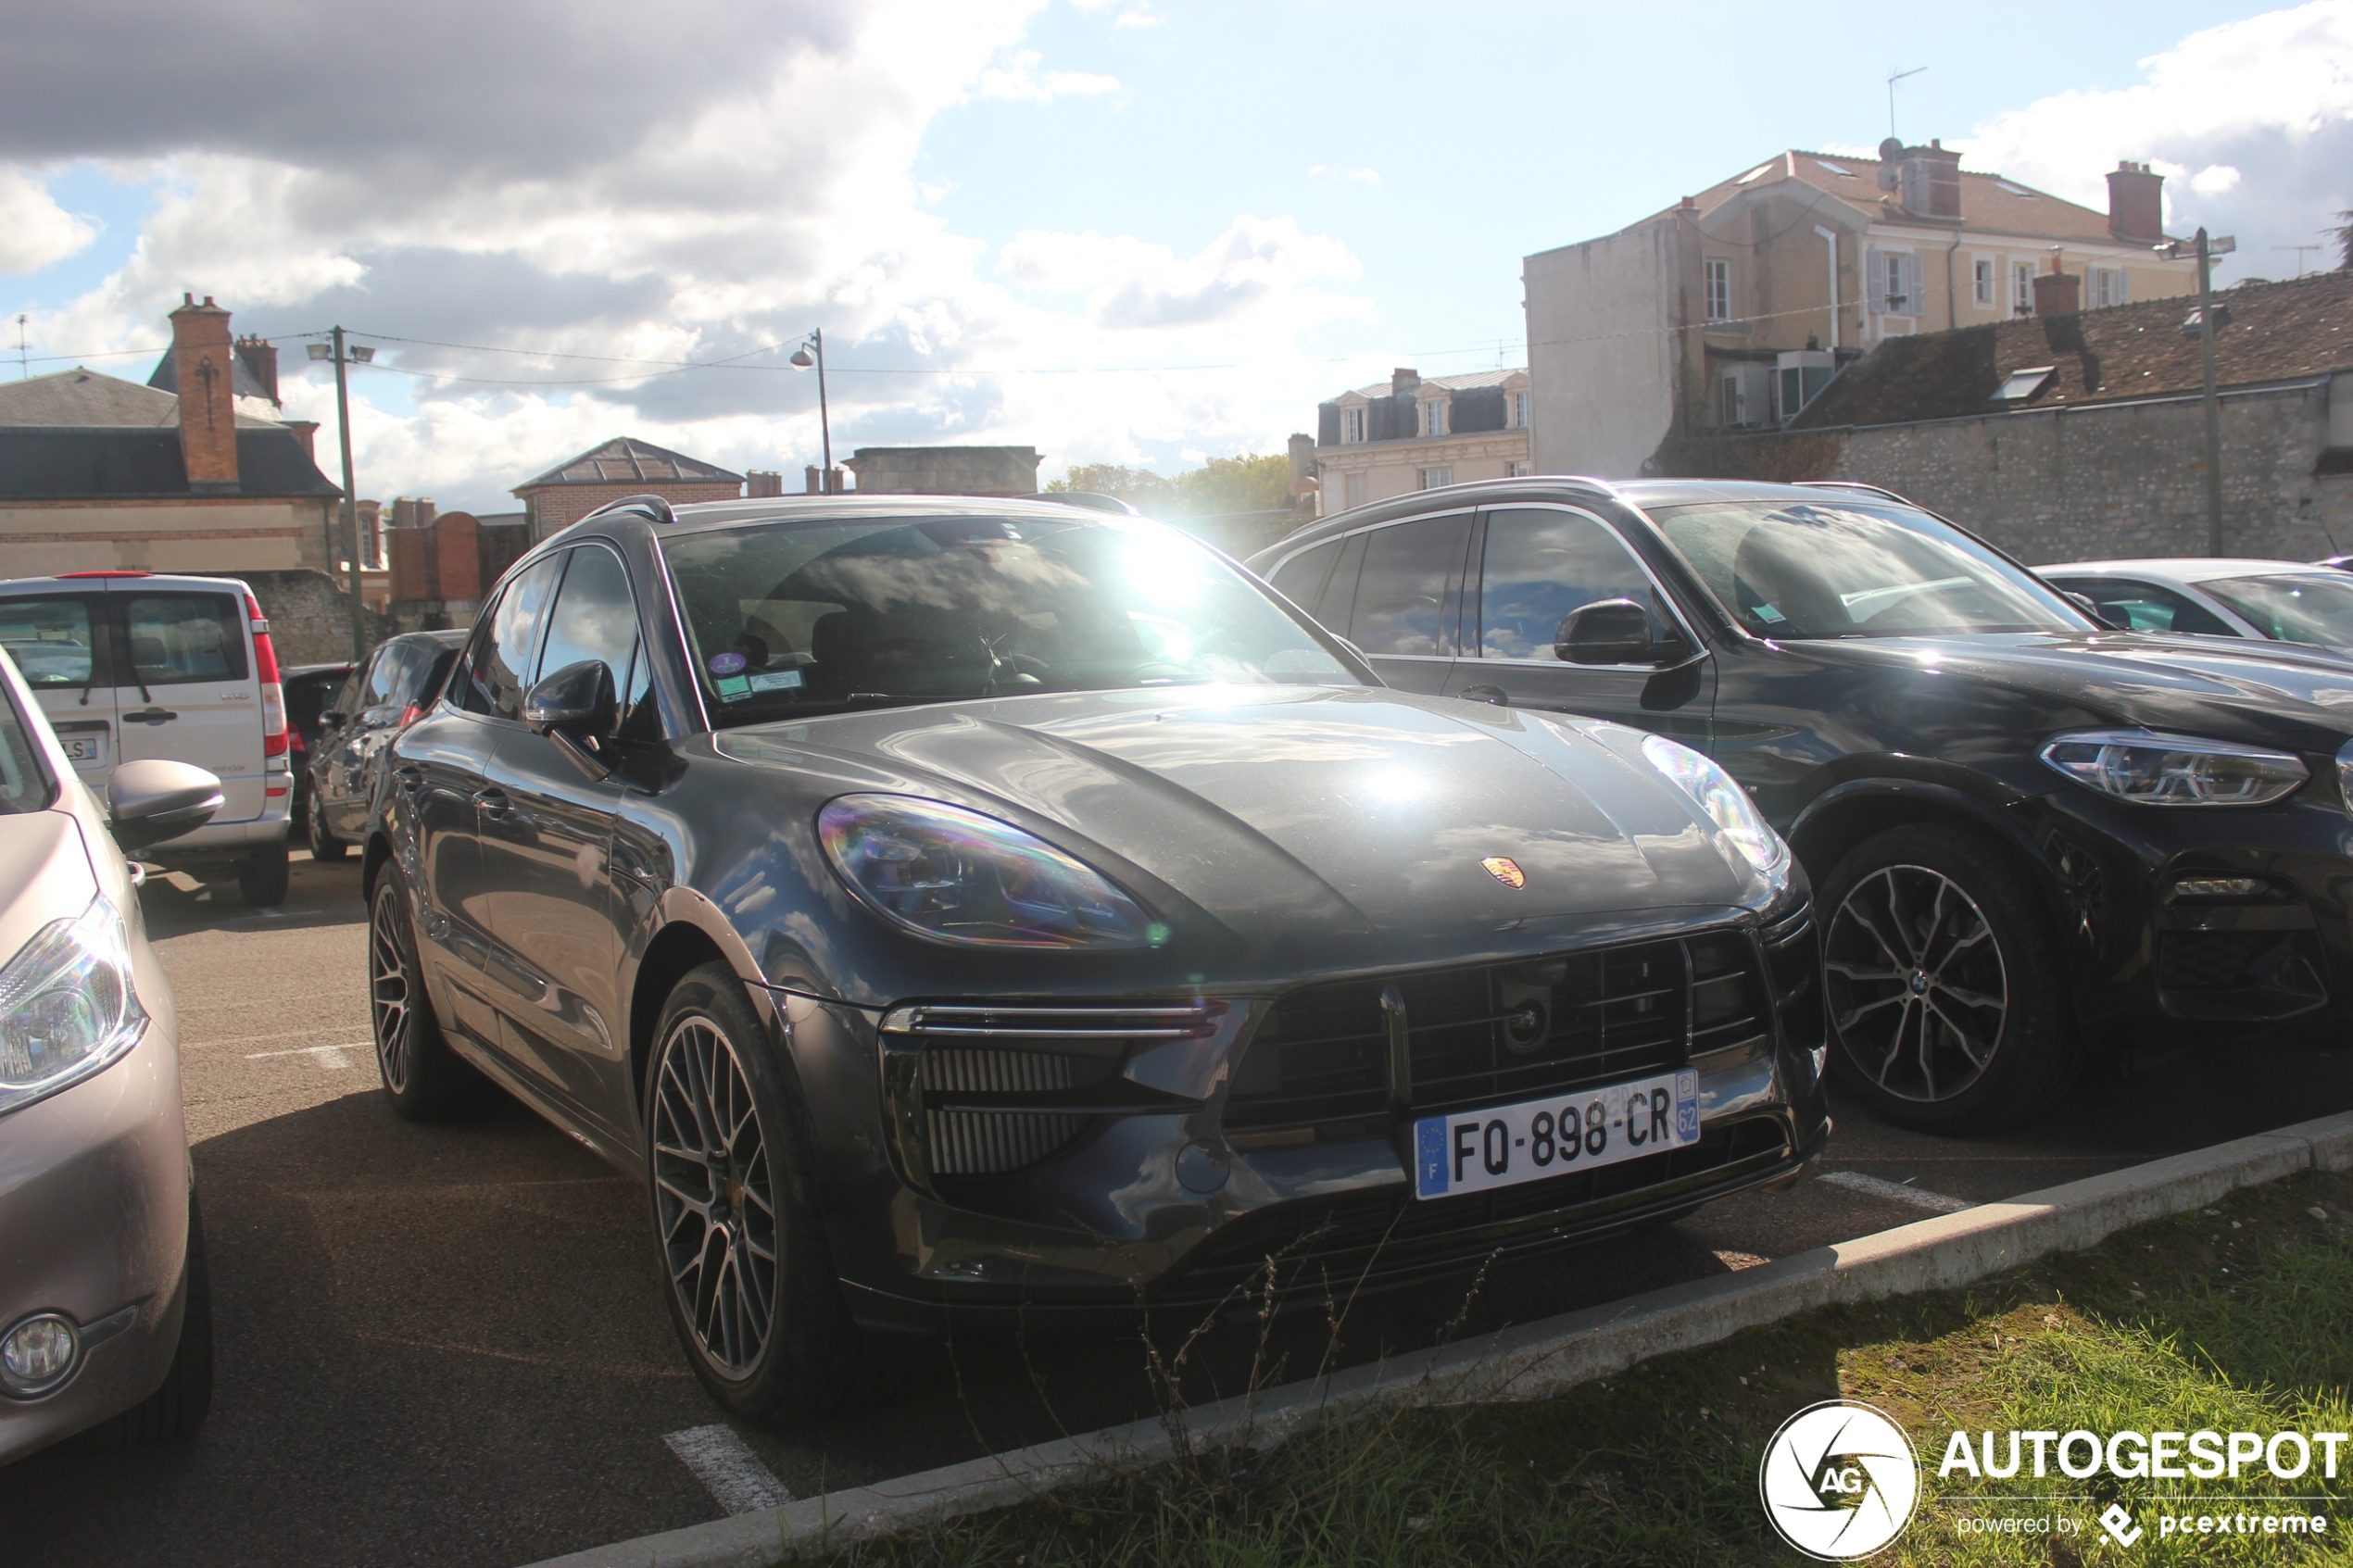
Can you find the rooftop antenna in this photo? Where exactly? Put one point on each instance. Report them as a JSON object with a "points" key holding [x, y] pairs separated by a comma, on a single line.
{"points": [[2298, 249], [1893, 78], [24, 366]]}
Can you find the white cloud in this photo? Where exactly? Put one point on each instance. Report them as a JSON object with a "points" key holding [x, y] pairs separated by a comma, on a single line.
{"points": [[1020, 79], [2271, 96], [1142, 16], [1331, 175], [34, 230]]}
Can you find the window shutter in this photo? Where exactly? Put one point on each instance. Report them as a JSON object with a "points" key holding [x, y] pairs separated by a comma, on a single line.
{"points": [[1916, 285], [1875, 281]]}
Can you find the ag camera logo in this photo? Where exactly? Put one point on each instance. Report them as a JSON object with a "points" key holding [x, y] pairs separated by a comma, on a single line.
{"points": [[1840, 1481]]}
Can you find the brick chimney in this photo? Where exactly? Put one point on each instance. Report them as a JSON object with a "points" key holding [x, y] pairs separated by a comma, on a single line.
{"points": [[260, 357], [306, 432], [762, 482], [1403, 381], [201, 356], [2059, 294], [1929, 182], [2136, 203]]}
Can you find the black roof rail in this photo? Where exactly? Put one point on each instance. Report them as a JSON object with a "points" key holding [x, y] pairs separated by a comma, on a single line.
{"points": [[655, 508], [1857, 484]]}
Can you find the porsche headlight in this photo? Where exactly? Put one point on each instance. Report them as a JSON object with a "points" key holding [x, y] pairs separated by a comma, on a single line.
{"points": [[1726, 804], [955, 875], [2175, 770], [68, 1009]]}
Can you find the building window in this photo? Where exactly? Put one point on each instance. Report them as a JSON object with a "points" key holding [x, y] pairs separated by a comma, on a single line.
{"points": [[1353, 489], [1352, 426], [1987, 284], [1719, 291], [1727, 401], [1520, 410], [1433, 418], [2105, 286], [2022, 288], [1437, 479], [1518, 470]]}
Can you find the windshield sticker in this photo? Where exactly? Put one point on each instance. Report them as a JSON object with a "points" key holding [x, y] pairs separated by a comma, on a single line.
{"points": [[729, 663], [1766, 613], [777, 680], [733, 688]]}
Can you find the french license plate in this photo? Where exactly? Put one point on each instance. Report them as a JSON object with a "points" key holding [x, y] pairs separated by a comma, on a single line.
{"points": [[84, 751], [1505, 1145]]}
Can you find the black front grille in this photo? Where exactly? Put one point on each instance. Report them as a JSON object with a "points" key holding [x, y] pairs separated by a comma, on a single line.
{"points": [[1365, 1235], [1496, 1033]]}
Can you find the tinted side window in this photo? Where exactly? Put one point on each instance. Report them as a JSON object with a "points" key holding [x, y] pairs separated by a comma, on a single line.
{"points": [[24, 782], [594, 617], [177, 639], [54, 640], [500, 667], [2144, 607], [1542, 565], [382, 676], [1301, 579], [1405, 591]]}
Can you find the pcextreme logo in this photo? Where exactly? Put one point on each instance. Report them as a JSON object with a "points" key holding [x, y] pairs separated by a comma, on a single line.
{"points": [[1840, 1481]]}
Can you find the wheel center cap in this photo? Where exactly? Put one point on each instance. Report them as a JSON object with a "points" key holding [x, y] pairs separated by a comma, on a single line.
{"points": [[1920, 983]]}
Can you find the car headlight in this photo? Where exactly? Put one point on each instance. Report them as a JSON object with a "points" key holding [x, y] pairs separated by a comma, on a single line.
{"points": [[2175, 769], [1726, 804], [955, 875], [68, 1009]]}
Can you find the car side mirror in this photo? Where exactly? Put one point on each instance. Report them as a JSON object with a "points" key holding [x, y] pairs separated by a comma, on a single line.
{"points": [[2090, 606], [329, 720], [1611, 631], [152, 800], [575, 707]]}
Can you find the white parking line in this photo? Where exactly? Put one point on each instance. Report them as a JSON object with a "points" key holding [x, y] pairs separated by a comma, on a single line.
{"points": [[327, 1058], [725, 1463], [1897, 1192]]}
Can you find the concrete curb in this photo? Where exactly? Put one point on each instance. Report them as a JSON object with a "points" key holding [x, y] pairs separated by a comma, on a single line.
{"points": [[1529, 1362]]}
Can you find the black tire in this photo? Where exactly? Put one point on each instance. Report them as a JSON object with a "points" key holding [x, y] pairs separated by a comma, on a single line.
{"points": [[324, 845], [1938, 929], [423, 1077], [770, 1338], [177, 1409], [264, 878]]}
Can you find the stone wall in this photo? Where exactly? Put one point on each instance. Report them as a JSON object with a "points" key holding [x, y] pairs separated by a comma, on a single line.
{"points": [[309, 616], [946, 470], [2115, 481]]}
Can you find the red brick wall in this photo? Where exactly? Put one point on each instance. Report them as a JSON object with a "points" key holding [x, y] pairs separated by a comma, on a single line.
{"points": [[559, 506], [201, 361], [459, 545]]}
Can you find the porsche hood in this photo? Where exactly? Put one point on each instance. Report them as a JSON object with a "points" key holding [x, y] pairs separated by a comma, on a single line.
{"points": [[1278, 808]]}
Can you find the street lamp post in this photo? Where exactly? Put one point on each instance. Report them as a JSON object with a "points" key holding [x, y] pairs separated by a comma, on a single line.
{"points": [[2207, 249], [801, 360], [343, 356]]}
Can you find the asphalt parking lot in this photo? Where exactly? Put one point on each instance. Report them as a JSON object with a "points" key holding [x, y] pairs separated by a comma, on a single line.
{"points": [[446, 1345]]}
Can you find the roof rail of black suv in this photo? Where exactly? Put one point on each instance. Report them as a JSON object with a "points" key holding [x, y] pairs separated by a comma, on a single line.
{"points": [[1879, 490], [655, 508]]}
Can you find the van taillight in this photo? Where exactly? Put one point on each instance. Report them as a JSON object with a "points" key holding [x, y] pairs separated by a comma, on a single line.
{"points": [[408, 716], [273, 693]]}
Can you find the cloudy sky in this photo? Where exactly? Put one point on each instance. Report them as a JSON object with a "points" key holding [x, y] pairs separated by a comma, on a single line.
{"points": [[1138, 230]]}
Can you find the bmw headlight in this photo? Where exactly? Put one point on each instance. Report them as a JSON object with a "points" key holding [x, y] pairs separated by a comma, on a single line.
{"points": [[957, 876], [1726, 804], [2175, 769], [68, 1009]]}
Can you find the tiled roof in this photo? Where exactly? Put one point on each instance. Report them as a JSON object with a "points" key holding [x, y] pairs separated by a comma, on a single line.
{"points": [[626, 460], [242, 383], [48, 462], [1450, 384], [2277, 332], [85, 398], [1992, 204]]}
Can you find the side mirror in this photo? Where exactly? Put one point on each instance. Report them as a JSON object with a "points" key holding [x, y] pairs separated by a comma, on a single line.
{"points": [[2090, 606], [329, 720], [1611, 631], [575, 707], [152, 800]]}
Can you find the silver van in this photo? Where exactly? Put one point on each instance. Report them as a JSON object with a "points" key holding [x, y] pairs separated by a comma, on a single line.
{"points": [[130, 665]]}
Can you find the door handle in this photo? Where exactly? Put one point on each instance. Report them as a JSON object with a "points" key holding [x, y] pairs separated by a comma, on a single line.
{"points": [[150, 716], [1495, 695], [411, 777], [493, 802]]}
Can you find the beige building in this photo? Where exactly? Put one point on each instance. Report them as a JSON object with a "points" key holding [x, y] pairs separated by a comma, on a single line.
{"points": [[98, 474], [1734, 309], [1409, 434]]}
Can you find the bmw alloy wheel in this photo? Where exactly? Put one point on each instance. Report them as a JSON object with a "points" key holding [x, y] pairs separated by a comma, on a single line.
{"points": [[1917, 987], [713, 1195], [388, 998]]}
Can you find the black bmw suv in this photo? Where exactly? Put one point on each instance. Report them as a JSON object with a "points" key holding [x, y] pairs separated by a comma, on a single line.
{"points": [[2034, 839]]}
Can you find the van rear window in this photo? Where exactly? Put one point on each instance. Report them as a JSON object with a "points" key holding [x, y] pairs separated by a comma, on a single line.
{"points": [[179, 638], [50, 640]]}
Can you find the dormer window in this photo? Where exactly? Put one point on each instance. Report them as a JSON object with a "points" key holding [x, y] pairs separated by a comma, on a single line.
{"points": [[1433, 418], [1352, 426]]}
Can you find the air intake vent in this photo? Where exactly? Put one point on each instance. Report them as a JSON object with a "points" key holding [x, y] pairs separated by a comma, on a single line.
{"points": [[992, 1143]]}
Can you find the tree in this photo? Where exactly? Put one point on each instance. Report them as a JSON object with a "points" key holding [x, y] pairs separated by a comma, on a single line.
{"points": [[2344, 241], [1225, 485], [1140, 488]]}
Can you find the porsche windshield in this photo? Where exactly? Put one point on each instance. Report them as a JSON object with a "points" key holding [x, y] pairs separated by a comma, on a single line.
{"points": [[1849, 568], [795, 617]]}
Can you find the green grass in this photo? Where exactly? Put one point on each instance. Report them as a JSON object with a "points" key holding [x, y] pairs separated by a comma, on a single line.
{"points": [[2238, 1317]]}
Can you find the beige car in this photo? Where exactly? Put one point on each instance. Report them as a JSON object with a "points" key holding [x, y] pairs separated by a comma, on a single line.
{"points": [[104, 1313]]}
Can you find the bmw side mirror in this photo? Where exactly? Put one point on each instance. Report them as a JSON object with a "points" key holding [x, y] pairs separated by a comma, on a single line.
{"points": [[1611, 631], [152, 800], [576, 708]]}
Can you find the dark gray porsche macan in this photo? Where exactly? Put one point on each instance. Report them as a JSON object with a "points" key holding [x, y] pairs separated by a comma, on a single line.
{"points": [[987, 912]]}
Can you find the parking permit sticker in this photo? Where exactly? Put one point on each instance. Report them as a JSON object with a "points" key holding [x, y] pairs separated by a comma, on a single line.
{"points": [[730, 663], [777, 680], [733, 688]]}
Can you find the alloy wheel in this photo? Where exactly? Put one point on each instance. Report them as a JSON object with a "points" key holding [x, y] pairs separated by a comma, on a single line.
{"points": [[388, 998], [713, 1197], [1917, 987]]}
